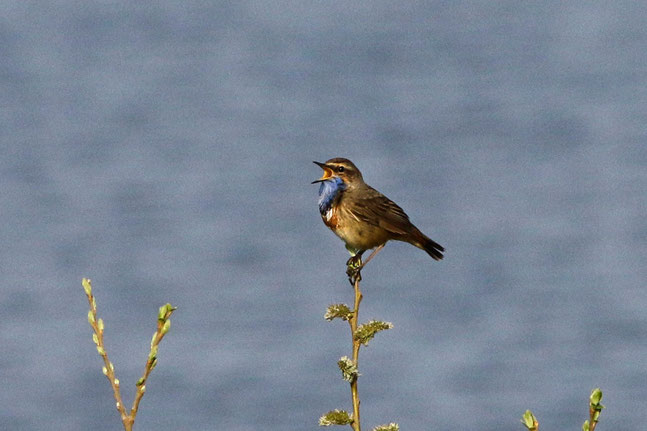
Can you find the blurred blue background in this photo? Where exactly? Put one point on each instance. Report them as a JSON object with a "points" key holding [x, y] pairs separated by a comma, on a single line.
{"points": [[164, 151]]}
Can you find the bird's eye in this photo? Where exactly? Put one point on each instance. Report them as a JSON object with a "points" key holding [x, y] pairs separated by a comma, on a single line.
{"points": [[340, 169]]}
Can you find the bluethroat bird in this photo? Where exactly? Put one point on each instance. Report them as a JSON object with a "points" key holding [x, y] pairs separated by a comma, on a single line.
{"points": [[363, 217]]}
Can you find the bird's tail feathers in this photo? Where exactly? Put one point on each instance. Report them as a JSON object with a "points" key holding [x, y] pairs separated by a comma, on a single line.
{"points": [[422, 241], [433, 249]]}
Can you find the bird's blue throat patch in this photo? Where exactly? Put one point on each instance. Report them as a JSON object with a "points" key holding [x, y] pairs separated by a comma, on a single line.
{"points": [[328, 191]]}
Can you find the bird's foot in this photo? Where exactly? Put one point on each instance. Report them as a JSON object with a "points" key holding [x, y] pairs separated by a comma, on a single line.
{"points": [[354, 261], [353, 268], [354, 275]]}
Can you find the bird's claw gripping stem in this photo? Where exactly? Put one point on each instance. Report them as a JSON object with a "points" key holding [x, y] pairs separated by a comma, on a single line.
{"points": [[353, 268]]}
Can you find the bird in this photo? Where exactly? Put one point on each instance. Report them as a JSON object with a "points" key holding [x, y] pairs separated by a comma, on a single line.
{"points": [[363, 217]]}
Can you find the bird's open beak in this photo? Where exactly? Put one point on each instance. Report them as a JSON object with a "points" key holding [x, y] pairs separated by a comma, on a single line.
{"points": [[327, 172]]}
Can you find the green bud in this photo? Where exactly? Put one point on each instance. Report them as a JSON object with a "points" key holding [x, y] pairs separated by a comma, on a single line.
{"points": [[585, 425], [390, 427], [153, 364], [87, 286], [596, 416], [105, 371], [367, 331], [153, 353], [348, 369], [140, 381], [91, 317], [95, 339], [101, 351], [153, 339], [529, 420], [596, 407], [116, 381], [165, 311], [596, 396], [112, 367], [100, 324], [142, 388], [166, 327], [335, 417], [161, 315], [340, 311]]}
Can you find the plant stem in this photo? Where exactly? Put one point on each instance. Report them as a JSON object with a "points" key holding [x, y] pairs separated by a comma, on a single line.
{"points": [[356, 344], [150, 363], [108, 367], [163, 326], [371, 256], [592, 423]]}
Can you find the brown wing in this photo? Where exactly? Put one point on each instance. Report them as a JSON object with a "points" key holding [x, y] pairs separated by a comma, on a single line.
{"points": [[374, 208]]}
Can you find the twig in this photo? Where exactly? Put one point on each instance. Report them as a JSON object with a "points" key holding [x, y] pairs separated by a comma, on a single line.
{"points": [[371, 256], [595, 408], [356, 345], [353, 319], [163, 326], [360, 334]]}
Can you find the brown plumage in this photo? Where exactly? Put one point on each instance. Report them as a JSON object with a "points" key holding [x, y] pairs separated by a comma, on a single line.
{"points": [[363, 217]]}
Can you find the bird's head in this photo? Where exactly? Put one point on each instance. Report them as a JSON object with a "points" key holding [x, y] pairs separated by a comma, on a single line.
{"points": [[340, 169]]}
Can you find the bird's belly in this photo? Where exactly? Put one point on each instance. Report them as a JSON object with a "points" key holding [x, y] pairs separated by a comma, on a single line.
{"points": [[356, 235]]}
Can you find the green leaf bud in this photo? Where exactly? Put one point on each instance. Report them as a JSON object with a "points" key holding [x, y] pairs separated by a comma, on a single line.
{"points": [[367, 331], [161, 315], [348, 369], [335, 417], [596, 416], [390, 427], [153, 353], [166, 327], [529, 421], [340, 311], [596, 396], [165, 311], [87, 286], [595, 405]]}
